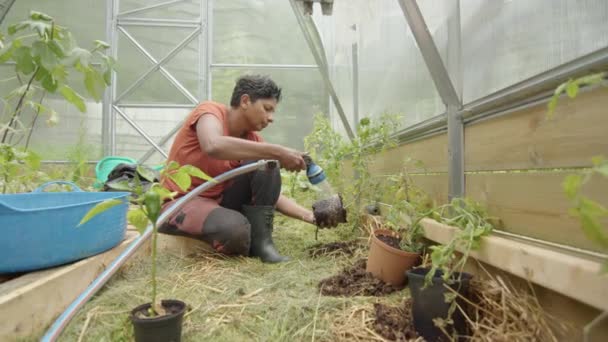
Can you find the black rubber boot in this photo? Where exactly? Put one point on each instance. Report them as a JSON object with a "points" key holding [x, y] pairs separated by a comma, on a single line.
{"points": [[261, 219]]}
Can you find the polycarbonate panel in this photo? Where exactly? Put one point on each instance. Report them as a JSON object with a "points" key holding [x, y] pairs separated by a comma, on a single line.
{"points": [[303, 95], [257, 32], [86, 19], [156, 122], [183, 10], [392, 75], [504, 42]]}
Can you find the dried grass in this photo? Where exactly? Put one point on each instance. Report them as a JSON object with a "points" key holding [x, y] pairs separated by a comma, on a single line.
{"points": [[499, 311]]}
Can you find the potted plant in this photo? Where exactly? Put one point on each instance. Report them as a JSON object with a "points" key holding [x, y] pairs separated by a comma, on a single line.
{"points": [[434, 304], [394, 249], [158, 320]]}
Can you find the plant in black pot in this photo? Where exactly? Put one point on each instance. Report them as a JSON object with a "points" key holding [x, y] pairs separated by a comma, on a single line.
{"points": [[394, 249], [437, 290], [158, 320]]}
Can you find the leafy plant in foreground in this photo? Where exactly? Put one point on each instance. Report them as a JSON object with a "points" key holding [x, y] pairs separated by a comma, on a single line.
{"points": [[44, 54], [149, 203], [473, 224], [589, 212]]}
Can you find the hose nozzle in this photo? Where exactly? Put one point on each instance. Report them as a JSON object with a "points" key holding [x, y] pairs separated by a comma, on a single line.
{"points": [[314, 172]]}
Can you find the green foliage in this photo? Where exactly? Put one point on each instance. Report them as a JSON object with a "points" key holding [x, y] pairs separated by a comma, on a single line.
{"points": [[410, 206], [18, 168], [590, 213], [330, 150], [149, 206], [473, 224], [45, 54], [571, 87]]}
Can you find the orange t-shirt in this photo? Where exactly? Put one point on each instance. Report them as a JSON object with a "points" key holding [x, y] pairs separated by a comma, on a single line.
{"points": [[186, 149]]}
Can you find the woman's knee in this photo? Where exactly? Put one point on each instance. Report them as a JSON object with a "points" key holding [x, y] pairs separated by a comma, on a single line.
{"points": [[228, 231]]}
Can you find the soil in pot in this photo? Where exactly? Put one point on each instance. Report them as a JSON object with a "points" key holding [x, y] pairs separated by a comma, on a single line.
{"points": [[386, 260], [429, 303], [395, 323], [346, 248], [166, 328], [355, 281], [390, 240]]}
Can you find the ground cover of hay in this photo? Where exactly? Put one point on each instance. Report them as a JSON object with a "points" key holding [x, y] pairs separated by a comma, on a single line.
{"points": [[240, 299]]}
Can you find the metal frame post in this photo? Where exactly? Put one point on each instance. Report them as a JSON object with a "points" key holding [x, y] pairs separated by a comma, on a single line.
{"points": [[355, 58], [445, 87], [108, 119]]}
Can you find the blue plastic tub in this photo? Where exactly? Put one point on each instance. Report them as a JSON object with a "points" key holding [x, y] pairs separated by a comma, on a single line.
{"points": [[40, 229]]}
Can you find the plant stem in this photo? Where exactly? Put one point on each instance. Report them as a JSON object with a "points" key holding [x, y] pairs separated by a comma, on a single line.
{"points": [[19, 105], [29, 136], [153, 266]]}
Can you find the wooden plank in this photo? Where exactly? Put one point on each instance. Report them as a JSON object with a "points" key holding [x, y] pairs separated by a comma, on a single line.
{"points": [[533, 204], [28, 304], [529, 140], [573, 276], [432, 153]]}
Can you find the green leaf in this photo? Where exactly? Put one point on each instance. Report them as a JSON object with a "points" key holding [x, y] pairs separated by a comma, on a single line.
{"points": [[165, 193], [94, 83], [79, 57], [181, 179], [40, 16], [590, 214], [591, 79], [44, 55], [572, 89], [551, 106], [146, 173], [196, 172], [47, 80], [6, 53], [100, 44], [33, 160], [73, 97], [56, 48], [23, 57], [98, 209], [572, 185], [138, 218]]}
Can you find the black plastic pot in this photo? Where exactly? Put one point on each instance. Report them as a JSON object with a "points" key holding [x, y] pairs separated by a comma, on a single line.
{"points": [[167, 328], [429, 303]]}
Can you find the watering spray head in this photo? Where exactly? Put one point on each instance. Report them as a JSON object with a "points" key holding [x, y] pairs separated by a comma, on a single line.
{"points": [[314, 172]]}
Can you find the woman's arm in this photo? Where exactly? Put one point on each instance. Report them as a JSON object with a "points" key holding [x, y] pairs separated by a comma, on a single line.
{"points": [[289, 207]]}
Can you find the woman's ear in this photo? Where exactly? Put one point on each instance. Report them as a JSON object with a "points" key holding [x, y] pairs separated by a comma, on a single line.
{"points": [[245, 101]]}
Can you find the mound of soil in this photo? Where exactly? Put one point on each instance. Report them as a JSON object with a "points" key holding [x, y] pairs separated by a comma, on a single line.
{"points": [[354, 281], [395, 323], [347, 248]]}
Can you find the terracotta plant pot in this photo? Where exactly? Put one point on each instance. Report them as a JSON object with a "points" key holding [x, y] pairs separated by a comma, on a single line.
{"points": [[387, 263]]}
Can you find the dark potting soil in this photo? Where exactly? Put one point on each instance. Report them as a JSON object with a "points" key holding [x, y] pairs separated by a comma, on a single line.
{"points": [[170, 309], [347, 248], [395, 323], [390, 240], [355, 281]]}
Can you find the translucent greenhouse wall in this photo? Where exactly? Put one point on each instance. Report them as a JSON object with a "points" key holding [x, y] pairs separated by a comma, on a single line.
{"points": [[373, 60], [392, 75]]}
